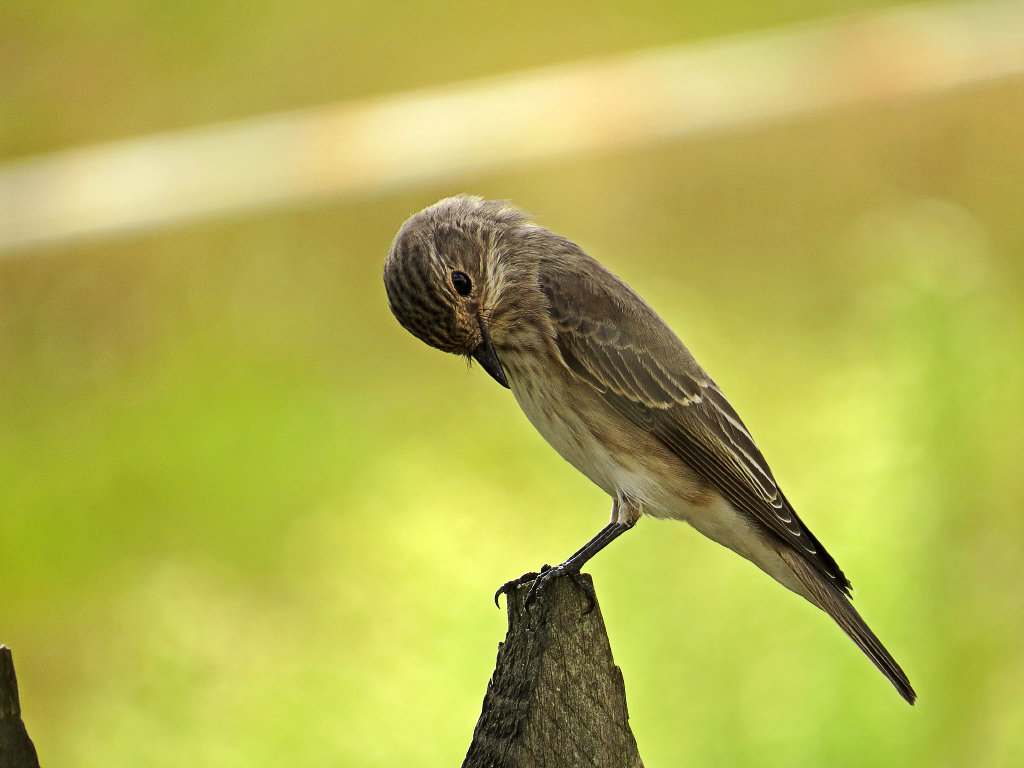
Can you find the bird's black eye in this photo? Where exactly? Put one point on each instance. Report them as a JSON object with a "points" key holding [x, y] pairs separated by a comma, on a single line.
{"points": [[461, 283]]}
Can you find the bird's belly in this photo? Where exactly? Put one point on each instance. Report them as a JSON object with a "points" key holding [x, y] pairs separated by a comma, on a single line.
{"points": [[626, 461], [584, 436]]}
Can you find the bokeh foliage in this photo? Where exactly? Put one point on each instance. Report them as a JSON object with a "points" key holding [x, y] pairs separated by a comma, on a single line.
{"points": [[245, 519]]}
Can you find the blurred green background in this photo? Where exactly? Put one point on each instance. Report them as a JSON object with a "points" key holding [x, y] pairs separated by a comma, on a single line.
{"points": [[245, 519]]}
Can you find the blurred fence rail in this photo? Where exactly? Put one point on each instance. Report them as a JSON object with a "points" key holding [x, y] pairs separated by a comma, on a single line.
{"points": [[443, 133]]}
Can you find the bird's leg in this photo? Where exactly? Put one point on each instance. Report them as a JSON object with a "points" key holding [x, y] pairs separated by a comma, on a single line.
{"points": [[571, 567]]}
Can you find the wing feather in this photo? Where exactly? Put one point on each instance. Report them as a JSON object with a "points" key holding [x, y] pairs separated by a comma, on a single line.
{"points": [[640, 368]]}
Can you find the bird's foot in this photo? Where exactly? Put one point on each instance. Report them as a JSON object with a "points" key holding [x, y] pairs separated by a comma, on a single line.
{"points": [[540, 583], [507, 588]]}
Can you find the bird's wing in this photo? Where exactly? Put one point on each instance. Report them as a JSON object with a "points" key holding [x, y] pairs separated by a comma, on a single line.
{"points": [[611, 339]]}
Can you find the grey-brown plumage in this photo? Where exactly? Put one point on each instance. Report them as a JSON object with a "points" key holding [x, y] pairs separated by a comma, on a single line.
{"points": [[614, 391]]}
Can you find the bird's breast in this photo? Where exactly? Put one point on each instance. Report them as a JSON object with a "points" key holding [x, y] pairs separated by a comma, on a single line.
{"points": [[583, 430]]}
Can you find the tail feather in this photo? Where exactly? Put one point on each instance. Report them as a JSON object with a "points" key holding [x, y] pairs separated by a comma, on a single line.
{"points": [[830, 599]]}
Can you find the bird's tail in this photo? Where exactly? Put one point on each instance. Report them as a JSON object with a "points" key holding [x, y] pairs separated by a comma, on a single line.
{"points": [[832, 601]]}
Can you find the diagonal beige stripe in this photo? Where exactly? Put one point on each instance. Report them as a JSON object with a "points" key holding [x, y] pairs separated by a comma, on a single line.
{"points": [[442, 133]]}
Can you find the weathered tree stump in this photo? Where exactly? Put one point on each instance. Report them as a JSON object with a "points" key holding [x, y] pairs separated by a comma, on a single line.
{"points": [[556, 697], [16, 748]]}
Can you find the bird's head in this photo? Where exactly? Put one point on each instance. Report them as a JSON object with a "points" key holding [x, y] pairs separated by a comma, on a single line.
{"points": [[444, 276]]}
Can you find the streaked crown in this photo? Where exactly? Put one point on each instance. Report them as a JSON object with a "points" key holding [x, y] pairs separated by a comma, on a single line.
{"points": [[455, 235]]}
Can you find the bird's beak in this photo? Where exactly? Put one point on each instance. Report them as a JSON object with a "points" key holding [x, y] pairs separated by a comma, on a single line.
{"points": [[488, 358]]}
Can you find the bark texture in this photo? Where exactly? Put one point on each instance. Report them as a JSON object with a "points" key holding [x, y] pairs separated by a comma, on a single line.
{"points": [[556, 697], [16, 748]]}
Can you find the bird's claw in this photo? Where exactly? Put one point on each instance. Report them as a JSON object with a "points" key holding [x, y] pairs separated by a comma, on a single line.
{"points": [[540, 582], [508, 586]]}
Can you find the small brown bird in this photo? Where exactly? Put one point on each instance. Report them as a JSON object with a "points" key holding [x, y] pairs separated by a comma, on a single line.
{"points": [[611, 388]]}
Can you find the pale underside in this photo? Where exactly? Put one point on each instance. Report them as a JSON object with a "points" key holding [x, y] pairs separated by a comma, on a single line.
{"points": [[627, 405], [640, 474]]}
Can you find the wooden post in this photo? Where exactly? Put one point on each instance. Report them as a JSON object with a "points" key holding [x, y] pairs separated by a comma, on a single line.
{"points": [[16, 748], [556, 697]]}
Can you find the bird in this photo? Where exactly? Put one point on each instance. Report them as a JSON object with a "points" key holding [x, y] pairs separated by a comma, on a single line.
{"points": [[611, 388]]}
